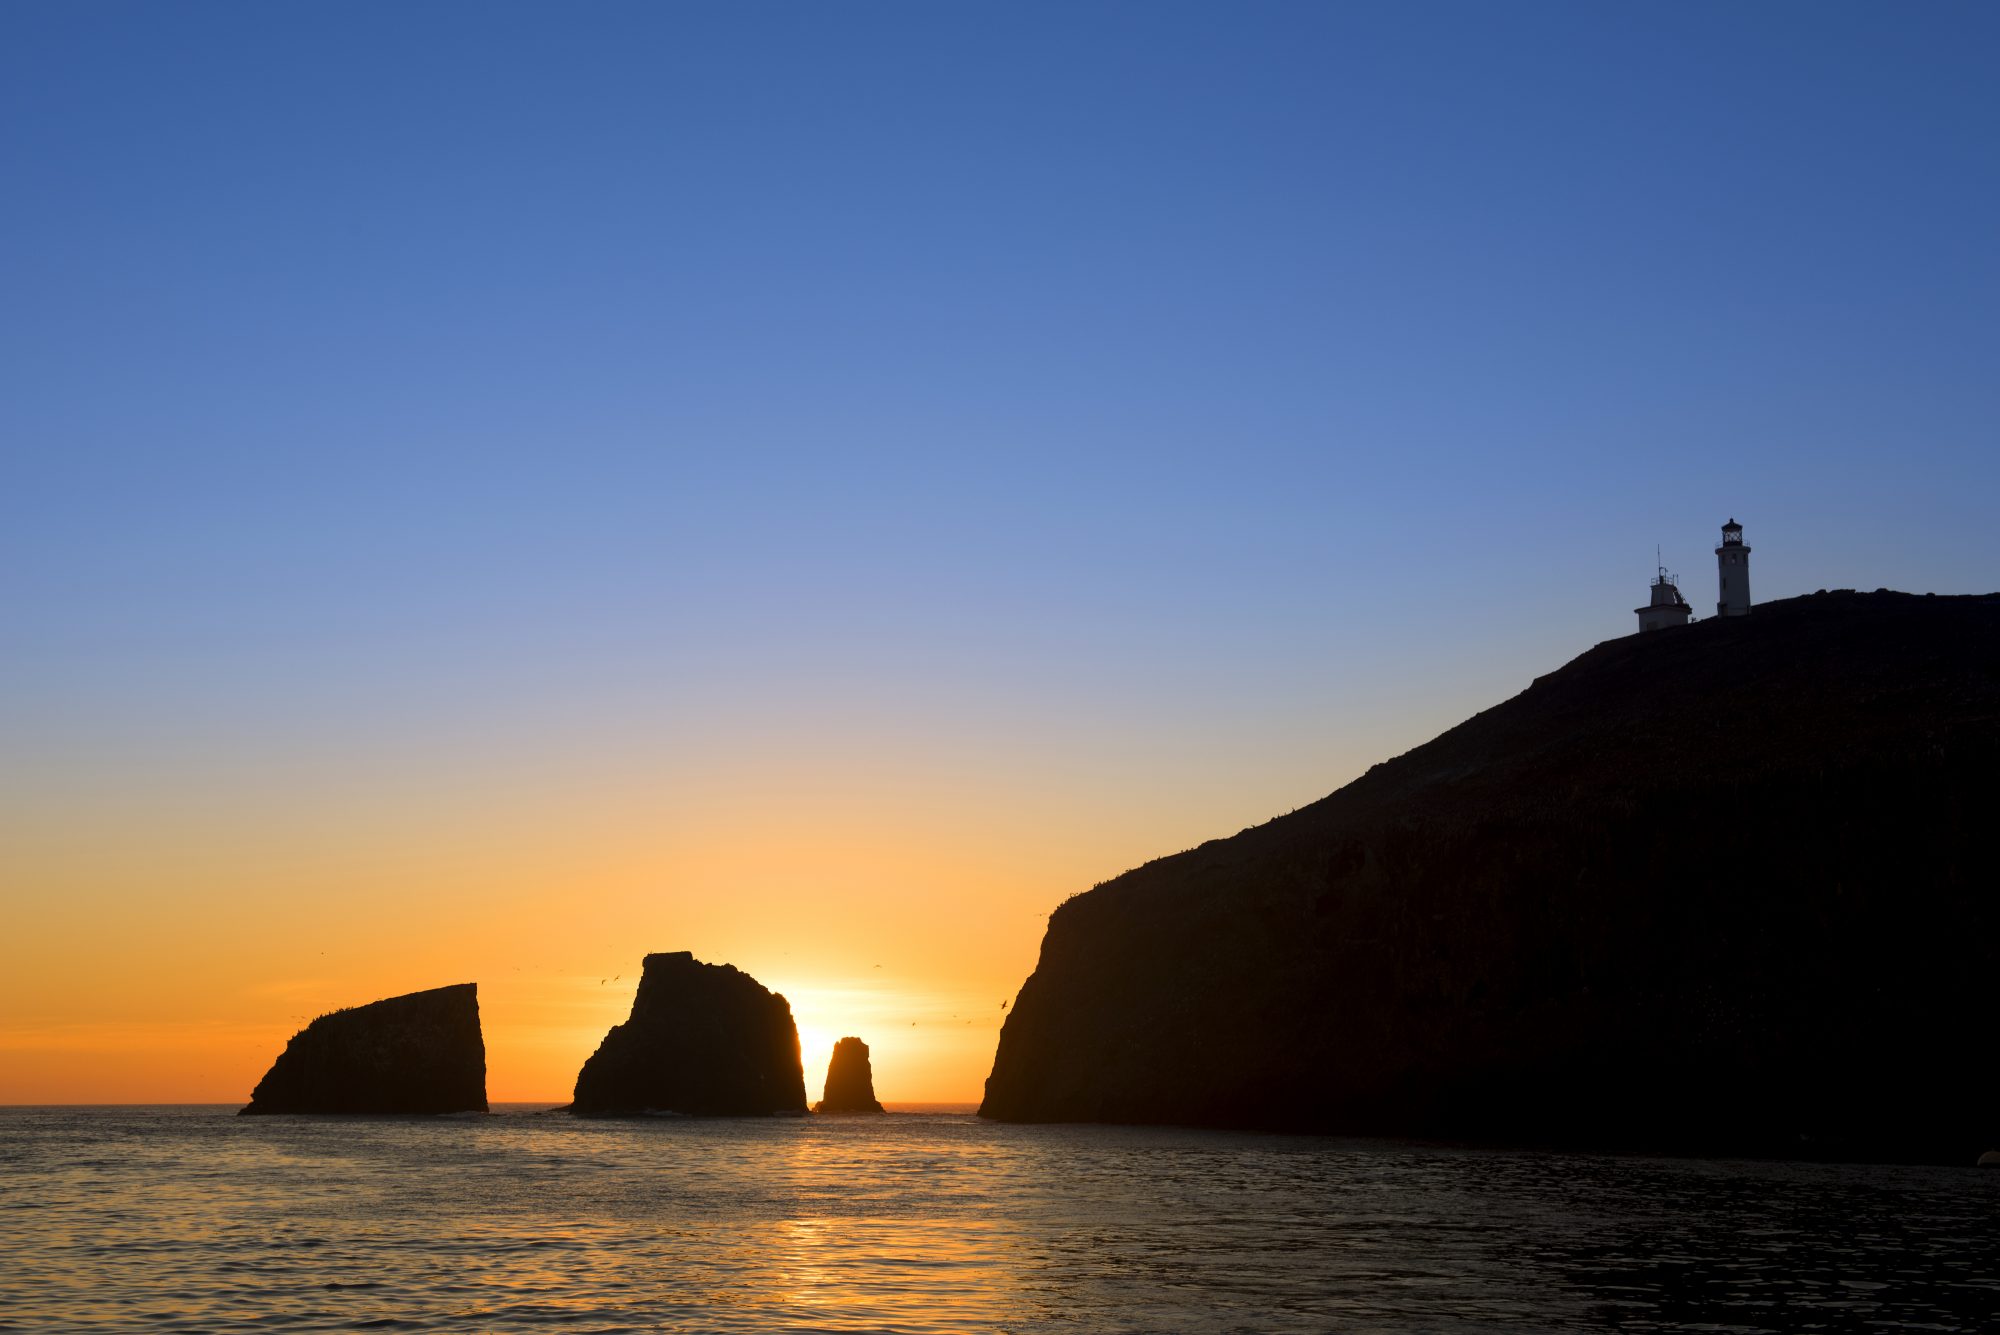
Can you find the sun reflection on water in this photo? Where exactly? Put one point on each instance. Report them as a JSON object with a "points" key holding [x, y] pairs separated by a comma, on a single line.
{"points": [[114, 1220]]}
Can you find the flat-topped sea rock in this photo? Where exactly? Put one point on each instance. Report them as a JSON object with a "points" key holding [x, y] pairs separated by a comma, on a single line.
{"points": [[417, 1053], [850, 1080], [706, 1040]]}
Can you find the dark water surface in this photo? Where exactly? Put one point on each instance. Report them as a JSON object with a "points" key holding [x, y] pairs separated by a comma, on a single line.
{"points": [[185, 1219]]}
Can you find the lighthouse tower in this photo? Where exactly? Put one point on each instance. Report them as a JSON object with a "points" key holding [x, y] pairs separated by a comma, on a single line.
{"points": [[1732, 565], [1667, 608]]}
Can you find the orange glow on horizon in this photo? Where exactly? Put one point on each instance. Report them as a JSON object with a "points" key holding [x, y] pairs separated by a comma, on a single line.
{"points": [[940, 1057], [897, 902]]}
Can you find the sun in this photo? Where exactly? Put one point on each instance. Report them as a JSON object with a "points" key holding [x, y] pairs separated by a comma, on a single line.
{"points": [[815, 1051]]}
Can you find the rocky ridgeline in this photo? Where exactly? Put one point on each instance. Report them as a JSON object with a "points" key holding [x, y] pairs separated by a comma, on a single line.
{"points": [[703, 1040], [850, 1080], [418, 1053], [1720, 887]]}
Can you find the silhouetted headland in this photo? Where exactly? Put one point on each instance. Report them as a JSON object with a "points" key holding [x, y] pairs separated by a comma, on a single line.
{"points": [[703, 1039], [850, 1080], [417, 1053], [1721, 890]]}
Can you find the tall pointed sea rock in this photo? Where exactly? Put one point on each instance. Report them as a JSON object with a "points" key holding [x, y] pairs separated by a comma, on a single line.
{"points": [[850, 1080]]}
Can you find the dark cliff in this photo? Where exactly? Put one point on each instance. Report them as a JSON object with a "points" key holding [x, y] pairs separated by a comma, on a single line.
{"points": [[417, 1053], [1721, 887], [850, 1080], [703, 1039]]}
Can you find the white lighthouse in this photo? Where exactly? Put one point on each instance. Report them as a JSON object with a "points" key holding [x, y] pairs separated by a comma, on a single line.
{"points": [[1667, 608], [1732, 567]]}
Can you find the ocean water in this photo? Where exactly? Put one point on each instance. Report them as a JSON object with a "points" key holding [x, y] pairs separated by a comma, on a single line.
{"points": [[190, 1219]]}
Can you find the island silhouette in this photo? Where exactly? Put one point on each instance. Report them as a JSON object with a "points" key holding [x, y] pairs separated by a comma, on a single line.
{"points": [[1724, 889]]}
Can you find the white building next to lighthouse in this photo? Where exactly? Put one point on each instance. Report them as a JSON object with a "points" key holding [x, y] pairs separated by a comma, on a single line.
{"points": [[1667, 608], [1732, 566]]}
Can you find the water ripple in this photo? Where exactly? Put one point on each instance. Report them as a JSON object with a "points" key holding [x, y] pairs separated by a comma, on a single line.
{"points": [[191, 1219]]}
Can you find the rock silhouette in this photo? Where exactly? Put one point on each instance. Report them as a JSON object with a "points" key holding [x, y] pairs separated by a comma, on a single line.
{"points": [[1721, 889], [850, 1080], [703, 1039], [417, 1053]]}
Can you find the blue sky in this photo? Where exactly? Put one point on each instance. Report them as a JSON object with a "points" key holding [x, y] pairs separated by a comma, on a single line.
{"points": [[1247, 389]]}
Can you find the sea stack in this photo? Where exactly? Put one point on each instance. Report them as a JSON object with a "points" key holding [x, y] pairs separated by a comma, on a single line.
{"points": [[705, 1040], [1724, 890], [417, 1053], [850, 1080]]}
